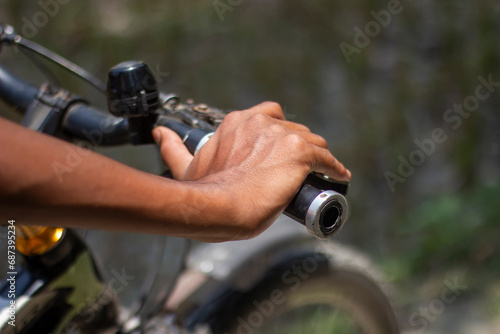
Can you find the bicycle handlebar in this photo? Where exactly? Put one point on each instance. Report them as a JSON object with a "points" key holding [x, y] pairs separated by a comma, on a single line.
{"points": [[15, 92], [86, 123], [320, 204], [81, 121]]}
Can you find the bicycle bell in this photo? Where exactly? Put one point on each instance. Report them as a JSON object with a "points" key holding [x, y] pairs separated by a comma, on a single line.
{"points": [[132, 93]]}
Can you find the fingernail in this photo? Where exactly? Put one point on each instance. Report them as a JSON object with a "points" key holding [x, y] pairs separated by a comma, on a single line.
{"points": [[157, 136]]}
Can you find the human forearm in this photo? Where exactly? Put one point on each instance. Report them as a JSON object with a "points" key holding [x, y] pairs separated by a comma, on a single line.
{"points": [[112, 196], [180, 212], [235, 186]]}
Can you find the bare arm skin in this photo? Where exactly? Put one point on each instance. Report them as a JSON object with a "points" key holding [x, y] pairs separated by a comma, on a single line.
{"points": [[234, 187]]}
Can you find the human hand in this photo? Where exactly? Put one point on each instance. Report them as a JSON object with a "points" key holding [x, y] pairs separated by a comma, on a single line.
{"points": [[257, 159]]}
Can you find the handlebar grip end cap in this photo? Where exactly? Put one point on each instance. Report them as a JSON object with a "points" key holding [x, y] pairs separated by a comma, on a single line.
{"points": [[327, 214]]}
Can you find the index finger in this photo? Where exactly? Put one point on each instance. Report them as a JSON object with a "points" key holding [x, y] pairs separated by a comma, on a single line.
{"points": [[324, 162]]}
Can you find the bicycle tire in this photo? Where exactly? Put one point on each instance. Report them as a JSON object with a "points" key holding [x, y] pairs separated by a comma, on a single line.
{"points": [[348, 296]]}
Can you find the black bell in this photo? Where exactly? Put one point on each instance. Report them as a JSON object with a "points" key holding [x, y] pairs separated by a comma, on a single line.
{"points": [[132, 90]]}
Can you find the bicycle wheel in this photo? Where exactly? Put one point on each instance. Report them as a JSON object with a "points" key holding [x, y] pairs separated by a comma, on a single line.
{"points": [[327, 300]]}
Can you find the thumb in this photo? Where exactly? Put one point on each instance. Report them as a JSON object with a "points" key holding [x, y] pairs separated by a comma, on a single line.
{"points": [[173, 151]]}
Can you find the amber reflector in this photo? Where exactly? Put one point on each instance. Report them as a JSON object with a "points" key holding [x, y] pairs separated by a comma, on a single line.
{"points": [[36, 240]]}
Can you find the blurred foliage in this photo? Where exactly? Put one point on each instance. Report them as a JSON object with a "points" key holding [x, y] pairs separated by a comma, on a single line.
{"points": [[492, 307], [370, 110], [458, 229]]}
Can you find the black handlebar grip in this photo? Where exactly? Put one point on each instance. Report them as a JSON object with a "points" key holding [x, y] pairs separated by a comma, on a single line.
{"points": [[319, 204], [87, 123], [193, 138], [323, 212]]}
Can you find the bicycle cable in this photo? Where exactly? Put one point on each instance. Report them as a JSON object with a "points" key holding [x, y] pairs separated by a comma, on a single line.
{"points": [[8, 35]]}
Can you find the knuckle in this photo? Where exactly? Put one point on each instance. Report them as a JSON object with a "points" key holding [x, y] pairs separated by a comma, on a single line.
{"points": [[321, 142], [232, 117], [273, 105], [305, 128], [274, 109], [295, 141], [276, 129]]}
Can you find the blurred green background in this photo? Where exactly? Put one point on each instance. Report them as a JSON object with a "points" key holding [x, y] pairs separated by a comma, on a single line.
{"points": [[394, 88]]}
